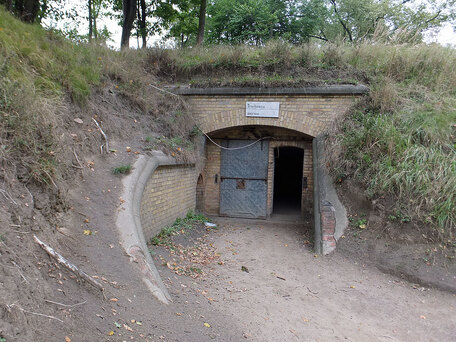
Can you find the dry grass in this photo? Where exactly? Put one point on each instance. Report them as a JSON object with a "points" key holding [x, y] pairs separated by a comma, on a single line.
{"points": [[44, 78]]}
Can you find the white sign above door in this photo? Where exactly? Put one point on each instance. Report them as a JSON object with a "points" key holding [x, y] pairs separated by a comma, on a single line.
{"points": [[262, 109]]}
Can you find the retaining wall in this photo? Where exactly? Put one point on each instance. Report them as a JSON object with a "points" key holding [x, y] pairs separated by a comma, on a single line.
{"points": [[330, 215], [169, 193]]}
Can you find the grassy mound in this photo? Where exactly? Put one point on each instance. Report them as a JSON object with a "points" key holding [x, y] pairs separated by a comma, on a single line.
{"points": [[400, 141], [45, 79]]}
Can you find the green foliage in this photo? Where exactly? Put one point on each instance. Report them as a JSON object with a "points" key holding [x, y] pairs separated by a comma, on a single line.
{"points": [[400, 142], [45, 60], [123, 169], [180, 225], [255, 22], [399, 216], [180, 18]]}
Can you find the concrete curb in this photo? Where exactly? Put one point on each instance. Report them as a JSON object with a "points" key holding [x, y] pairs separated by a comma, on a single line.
{"points": [[129, 221], [342, 89]]}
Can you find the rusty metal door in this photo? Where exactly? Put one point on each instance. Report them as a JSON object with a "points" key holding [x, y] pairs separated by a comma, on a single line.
{"points": [[244, 179]]}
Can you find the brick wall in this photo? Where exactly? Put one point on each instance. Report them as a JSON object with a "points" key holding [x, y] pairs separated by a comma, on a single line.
{"points": [[169, 193], [309, 114], [328, 227], [212, 179]]}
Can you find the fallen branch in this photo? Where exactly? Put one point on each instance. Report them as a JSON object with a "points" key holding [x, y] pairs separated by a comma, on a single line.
{"points": [[17, 266], [7, 196], [35, 313], [104, 136], [62, 261], [77, 159], [65, 305]]}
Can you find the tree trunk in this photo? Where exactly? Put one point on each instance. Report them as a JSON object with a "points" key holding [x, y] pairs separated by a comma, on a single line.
{"points": [[129, 15], [27, 10], [90, 20], [143, 24], [202, 23], [8, 4]]}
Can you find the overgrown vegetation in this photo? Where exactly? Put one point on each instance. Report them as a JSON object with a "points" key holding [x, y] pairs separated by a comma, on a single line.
{"points": [[122, 169], [187, 258], [183, 225], [400, 141], [42, 75], [37, 68]]}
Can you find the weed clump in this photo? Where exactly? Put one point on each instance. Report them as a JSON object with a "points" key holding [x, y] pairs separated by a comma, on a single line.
{"points": [[123, 169], [189, 222]]}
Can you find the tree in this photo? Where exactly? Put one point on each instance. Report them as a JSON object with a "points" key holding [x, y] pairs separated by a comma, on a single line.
{"points": [[94, 7], [256, 21], [26, 10], [202, 22], [179, 18], [142, 16], [355, 20], [129, 15]]}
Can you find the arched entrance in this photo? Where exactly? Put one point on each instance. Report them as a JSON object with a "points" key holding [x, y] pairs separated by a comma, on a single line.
{"points": [[288, 180], [249, 167]]}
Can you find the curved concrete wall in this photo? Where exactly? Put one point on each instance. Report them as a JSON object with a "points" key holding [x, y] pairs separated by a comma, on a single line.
{"points": [[142, 186]]}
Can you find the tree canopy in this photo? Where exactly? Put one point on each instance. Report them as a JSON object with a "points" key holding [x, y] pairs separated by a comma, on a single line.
{"points": [[295, 21], [253, 22]]}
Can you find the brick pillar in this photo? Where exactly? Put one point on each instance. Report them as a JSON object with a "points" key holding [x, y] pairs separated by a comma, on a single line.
{"points": [[328, 226]]}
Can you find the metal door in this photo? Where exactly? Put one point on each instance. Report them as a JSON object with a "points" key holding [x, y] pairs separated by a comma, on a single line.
{"points": [[243, 177]]}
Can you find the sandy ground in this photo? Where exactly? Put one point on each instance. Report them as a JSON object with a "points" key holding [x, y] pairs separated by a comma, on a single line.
{"points": [[289, 294]]}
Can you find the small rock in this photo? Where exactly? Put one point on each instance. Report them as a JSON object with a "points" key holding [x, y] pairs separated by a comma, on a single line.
{"points": [[78, 120]]}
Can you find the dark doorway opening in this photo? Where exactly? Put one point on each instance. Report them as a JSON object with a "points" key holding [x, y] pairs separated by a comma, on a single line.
{"points": [[288, 164]]}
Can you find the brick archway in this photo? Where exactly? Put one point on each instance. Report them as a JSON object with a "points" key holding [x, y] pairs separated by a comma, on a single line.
{"points": [[307, 110]]}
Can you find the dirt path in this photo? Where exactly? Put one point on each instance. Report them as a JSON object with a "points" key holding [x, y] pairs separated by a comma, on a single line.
{"points": [[291, 295]]}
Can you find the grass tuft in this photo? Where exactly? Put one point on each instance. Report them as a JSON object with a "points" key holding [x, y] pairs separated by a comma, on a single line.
{"points": [[123, 169], [185, 224]]}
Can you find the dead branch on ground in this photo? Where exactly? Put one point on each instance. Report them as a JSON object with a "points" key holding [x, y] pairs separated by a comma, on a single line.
{"points": [[33, 313], [62, 261], [104, 136]]}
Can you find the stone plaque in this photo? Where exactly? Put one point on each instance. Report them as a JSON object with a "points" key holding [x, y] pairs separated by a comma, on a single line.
{"points": [[262, 109]]}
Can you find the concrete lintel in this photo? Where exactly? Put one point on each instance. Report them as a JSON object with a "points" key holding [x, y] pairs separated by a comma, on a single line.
{"points": [[343, 89]]}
